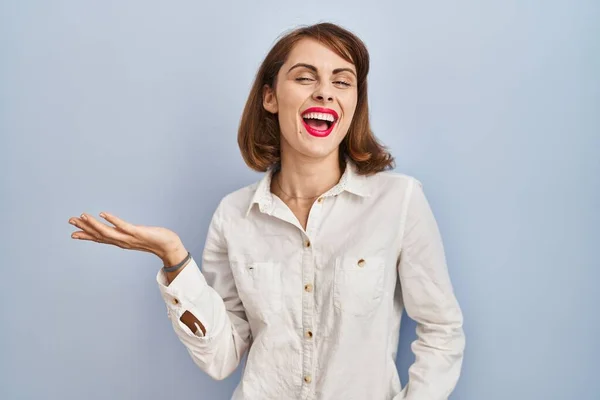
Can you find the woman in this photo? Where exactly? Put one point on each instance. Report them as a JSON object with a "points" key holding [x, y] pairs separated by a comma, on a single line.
{"points": [[310, 268]]}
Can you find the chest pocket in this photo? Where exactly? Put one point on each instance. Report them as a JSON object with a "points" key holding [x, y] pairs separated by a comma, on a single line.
{"points": [[259, 287], [358, 284]]}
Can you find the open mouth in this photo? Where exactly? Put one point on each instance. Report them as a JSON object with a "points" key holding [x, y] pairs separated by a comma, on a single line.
{"points": [[319, 121]]}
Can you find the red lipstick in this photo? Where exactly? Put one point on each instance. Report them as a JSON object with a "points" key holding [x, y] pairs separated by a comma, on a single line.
{"points": [[321, 110]]}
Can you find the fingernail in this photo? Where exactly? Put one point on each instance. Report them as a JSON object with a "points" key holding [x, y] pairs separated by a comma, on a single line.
{"points": [[103, 215], [74, 236], [83, 217], [72, 222]]}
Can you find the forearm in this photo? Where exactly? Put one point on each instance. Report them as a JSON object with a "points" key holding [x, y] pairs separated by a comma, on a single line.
{"points": [[171, 258], [438, 359], [210, 296], [226, 331], [220, 351]]}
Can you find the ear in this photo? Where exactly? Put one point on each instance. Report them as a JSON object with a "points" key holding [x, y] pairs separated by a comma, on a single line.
{"points": [[270, 100]]}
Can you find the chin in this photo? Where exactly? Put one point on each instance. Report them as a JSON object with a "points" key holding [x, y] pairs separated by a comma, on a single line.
{"points": [[318, 150]]}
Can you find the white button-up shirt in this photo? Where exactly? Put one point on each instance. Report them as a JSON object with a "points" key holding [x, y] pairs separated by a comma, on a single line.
{"points": [[319, 309]]}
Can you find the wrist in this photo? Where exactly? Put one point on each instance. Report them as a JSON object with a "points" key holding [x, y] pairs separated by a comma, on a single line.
{"points": [[174, 255]]}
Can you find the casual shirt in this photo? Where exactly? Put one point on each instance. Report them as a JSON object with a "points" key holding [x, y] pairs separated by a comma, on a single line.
{"points": [[318, 310]]}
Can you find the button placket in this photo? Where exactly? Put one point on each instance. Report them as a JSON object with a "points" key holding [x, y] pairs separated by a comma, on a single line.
{"points": [[308, 273], [307, 313]]}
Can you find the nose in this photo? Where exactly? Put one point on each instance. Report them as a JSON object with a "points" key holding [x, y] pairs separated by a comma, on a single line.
{"points": [[323, 93]]}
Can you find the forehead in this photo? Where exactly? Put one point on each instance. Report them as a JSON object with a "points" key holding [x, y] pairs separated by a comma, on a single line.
{"points": [[310, 51]]}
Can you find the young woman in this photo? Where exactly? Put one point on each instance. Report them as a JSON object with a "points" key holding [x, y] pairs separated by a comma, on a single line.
{"points": [[310, 269]]}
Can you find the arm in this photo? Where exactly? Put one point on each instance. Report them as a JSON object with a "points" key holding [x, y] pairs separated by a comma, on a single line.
{"points": [[209, 299], [429, 300], [170, 259]]}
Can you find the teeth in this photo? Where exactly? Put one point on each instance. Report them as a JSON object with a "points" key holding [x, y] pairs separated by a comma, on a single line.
{"points": [[321, 116]]}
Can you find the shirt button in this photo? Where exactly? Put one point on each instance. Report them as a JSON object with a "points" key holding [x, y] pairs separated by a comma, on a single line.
{"points": [[320, 200], [309, 334], [361, 263], [307, 379], [307, 243], [308, 287], [175, 301]]}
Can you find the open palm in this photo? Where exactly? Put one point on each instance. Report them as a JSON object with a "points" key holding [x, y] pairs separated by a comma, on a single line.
{"points": [[151, 239]]}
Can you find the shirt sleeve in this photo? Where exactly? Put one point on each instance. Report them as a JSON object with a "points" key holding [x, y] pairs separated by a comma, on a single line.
{"points": [[429, 300], [211, 296]]}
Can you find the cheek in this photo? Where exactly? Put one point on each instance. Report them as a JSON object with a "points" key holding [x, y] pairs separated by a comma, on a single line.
{"points": [[349, 103], [289, 124], [289, 106], [289, 121], [348, 117]]}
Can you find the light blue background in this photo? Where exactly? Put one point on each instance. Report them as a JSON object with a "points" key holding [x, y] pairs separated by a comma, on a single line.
{"points": [[132, 107]]}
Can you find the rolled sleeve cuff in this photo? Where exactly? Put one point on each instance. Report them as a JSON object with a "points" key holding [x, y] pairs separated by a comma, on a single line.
{"points": [[183, 294]]}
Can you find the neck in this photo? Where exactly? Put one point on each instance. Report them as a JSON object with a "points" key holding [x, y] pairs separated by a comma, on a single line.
{"points": [[306, 178]]}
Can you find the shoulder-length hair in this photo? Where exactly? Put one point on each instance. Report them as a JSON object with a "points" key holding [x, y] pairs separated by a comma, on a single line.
{"points": [[259, 133]]}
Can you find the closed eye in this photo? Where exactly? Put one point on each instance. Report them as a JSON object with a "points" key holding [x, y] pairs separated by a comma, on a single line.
{"points": [[343, 83], [305, 79]]}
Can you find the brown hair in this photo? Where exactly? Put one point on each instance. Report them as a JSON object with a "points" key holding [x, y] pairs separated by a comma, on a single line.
{"points": [[259, 134]]}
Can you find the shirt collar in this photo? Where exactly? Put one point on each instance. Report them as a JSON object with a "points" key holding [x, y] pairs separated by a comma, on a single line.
{"points": [[350, 181]]}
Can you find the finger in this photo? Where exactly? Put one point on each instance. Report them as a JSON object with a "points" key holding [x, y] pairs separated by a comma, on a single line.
{"points": [[92, 231], [107, 232], [84, 225], [81, 235], [100, 232], [118, 222]]}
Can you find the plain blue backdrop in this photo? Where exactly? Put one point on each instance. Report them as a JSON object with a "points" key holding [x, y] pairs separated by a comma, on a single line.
{"points": [[132, 107]]}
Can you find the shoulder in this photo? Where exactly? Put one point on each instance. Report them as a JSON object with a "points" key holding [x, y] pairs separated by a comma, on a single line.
{"points": [[391, 183], [236, 203]]}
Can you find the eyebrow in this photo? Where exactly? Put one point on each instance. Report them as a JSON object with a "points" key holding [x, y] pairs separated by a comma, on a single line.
{"points": [[313, 68]]}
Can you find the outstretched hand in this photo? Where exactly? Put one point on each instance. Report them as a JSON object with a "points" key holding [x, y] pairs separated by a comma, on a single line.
{"points": [[151, 239]]}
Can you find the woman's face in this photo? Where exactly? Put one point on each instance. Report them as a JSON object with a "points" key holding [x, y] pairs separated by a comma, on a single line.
{"points": [[315, 97]]}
